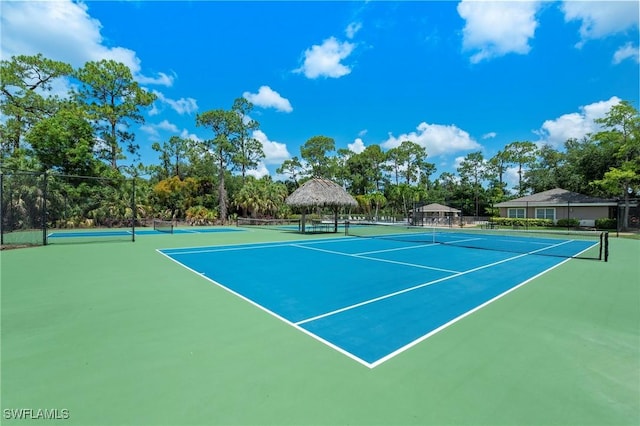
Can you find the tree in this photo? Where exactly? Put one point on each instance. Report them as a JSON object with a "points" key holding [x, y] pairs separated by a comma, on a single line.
{"points": [[292, 167], [623, 136], [342, 174], [222, 124], [497, 168], [64, 142], [366, 170], [249, 198], [586, 161], [522, 154], [409, 160], [622, 181], [176, 195], [473, 170], [172, 155], [261, 197], [548, 171], [24, 80], [113, 100], [378, 200], [314, 152], [248, 150]]}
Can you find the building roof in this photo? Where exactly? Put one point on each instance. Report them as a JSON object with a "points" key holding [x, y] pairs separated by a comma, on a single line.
{"points": [[557, 196], [435, 207]]}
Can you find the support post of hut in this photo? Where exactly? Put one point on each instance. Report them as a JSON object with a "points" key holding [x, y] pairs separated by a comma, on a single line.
{"points": [[335, 219], [303, 220]]}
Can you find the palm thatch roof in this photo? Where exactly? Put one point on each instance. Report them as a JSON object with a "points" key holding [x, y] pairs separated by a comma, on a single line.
{"points": [[320, 192]]}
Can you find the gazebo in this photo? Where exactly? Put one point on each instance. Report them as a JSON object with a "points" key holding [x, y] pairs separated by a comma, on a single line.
{"points": [[320, 192]]}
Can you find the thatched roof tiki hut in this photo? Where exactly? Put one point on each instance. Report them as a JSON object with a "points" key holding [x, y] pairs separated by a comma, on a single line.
{"points": [[319, 192]]}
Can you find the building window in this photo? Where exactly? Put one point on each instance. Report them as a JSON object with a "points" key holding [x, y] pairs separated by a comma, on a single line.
{"points": [[546, 214], [518, 213]]}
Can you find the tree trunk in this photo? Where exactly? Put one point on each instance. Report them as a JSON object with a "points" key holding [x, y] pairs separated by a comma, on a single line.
{"points": [[222, 198]]}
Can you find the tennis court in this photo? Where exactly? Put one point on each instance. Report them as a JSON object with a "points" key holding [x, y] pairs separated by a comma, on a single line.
{"points": [[117, 333], [124, 234], [375, 297]]}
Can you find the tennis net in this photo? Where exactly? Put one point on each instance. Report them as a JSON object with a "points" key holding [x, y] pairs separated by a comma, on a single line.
{"points": [[558, 243], [272, 224], [163, 226]]}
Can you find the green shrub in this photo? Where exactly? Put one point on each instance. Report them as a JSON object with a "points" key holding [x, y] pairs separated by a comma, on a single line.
{"points": [[605, 223], [200, 215], [568, 223], [525, 223]]}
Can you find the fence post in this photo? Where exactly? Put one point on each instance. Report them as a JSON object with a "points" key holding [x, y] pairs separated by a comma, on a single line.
{"points": [[133, 210], [1, 216], [44, 208]]}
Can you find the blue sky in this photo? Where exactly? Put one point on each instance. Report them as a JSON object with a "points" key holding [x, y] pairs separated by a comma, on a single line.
{"points": [[455, 77]]}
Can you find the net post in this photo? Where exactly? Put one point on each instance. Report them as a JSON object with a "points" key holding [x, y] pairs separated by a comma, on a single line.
{"points": [[601, 237], [606, 246], [346, 228]]}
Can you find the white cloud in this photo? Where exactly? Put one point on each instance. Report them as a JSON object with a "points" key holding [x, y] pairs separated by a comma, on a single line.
{"points": [[352, 29], [628, 51], [436, 138], [275, 152], [63, 31], [186, 135], [357, 146], [150, 130], [489, 135], [181, 106], [324, 60], [363, 132], [268, 98], [601, 18], [169, 127], [154, 129], [259, 172], [496, 28], [162, 79], [575, 125]]}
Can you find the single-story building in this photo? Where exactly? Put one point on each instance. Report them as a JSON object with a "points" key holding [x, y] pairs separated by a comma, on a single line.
{"points": [[558, 204], [434, 214], [438, 210]]}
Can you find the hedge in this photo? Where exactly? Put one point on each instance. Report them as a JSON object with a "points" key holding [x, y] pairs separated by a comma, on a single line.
{"points": [[509, 221]]}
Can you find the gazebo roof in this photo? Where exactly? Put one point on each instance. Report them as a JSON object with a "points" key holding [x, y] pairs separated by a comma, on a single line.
{"points": [[320, 192], [435, 207]]}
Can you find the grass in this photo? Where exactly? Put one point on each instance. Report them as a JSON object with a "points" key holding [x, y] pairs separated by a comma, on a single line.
{"points": [[117, 334]]}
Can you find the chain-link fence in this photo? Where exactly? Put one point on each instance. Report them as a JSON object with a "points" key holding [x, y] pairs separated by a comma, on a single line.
{"points": [[22, 209], [45, 208], [628, 218]]}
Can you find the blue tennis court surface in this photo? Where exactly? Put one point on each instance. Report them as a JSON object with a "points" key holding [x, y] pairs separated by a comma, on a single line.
{"points": [[368, 298], [127, 232]]}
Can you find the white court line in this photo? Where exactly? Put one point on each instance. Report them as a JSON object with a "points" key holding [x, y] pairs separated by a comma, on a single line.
{"points": [[339, 253], [397, 249], [228, 248], [249, 246], [406, 290]]}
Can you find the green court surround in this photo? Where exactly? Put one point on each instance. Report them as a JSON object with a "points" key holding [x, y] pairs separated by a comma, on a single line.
{"points": [[118, 335]]}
